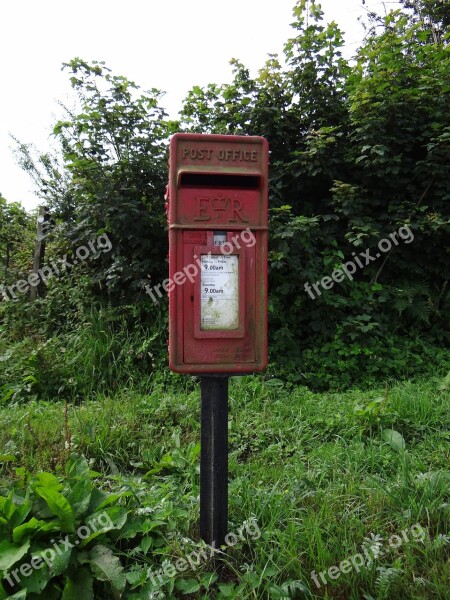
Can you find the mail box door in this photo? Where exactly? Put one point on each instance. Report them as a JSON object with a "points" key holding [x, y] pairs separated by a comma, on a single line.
{"points": [[217, 215]]}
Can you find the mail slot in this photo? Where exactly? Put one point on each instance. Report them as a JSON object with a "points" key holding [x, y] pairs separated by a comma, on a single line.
{"points": [[217, 215]]}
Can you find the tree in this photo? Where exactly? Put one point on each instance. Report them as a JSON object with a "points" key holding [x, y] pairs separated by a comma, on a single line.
{"points": [[433, 16], [399, 147], [110, 176], [15, 239], [356, 153]]}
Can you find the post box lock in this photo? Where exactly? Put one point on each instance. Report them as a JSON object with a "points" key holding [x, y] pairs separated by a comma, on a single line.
{"points": [[217, 216]]}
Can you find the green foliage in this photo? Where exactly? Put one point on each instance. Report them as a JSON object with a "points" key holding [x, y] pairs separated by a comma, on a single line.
{"points": [[65, 537], [32, 519], [110, 176], [377, 459], [98, 349], [345, 362], [432, 15], [16, 241], [79, 516], [357, 152]]}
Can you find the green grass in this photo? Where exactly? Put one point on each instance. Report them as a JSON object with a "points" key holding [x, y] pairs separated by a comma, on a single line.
{"points": [[314, 470]]}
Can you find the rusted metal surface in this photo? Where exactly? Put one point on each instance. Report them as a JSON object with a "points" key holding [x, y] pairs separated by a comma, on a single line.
{"points": [[218, 314]]}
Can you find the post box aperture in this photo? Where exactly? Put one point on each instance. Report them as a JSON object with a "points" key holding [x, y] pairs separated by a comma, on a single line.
{"points": [[217, 215]]}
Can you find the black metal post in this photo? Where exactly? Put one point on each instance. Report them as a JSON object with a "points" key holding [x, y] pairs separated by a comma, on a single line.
{"points": [[214, 460]]}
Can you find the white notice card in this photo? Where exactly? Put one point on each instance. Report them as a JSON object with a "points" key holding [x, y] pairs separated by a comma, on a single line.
{"points": [[220, 292]]}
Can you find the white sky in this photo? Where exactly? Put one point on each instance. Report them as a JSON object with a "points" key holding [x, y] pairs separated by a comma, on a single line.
{"points": [[171, 45]]}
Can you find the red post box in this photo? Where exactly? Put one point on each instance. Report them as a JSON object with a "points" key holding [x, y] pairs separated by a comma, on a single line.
{"points": [[217, 215]]}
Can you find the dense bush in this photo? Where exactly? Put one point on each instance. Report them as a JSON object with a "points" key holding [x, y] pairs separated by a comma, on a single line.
{"points": [[359, 172], [358, 153]]}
